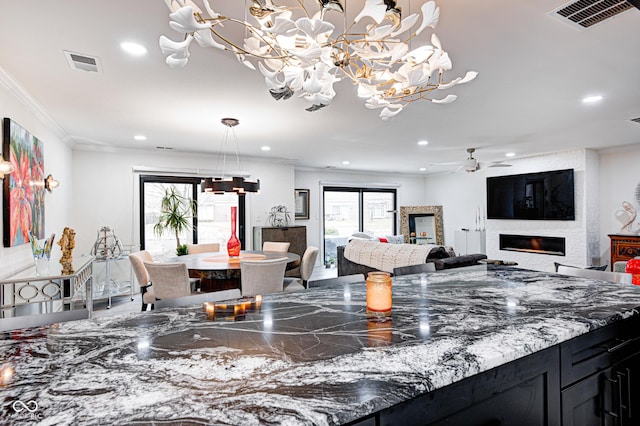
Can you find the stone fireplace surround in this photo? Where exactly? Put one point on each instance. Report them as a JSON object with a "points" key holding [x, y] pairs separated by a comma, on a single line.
{"points": [[582, 236]]}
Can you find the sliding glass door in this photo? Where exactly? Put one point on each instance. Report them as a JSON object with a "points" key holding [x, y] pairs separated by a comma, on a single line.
{"points": [[210, 225], [348, 211]]}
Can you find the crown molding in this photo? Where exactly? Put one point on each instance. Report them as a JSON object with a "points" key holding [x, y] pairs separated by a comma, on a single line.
{"points": [[16, 89]]}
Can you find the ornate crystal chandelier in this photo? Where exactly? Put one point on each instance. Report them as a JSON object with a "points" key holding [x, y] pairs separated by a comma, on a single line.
{"points": [[299, 53]]}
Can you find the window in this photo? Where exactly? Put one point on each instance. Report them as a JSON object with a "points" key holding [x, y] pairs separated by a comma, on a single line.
{"points": [[350, 210], [211, 224]]}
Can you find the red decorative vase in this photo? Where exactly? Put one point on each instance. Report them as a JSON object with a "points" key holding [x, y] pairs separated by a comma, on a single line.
{"points": [[633, 267], [233, 245]]}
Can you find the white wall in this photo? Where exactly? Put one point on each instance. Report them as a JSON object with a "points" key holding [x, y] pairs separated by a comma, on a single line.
{"points": [[16, 104], [106, 189], [619, 181], [410, 192], [460, 194]]}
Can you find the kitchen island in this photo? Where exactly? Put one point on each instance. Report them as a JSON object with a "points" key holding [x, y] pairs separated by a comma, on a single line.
{"points": [[468, 346]]}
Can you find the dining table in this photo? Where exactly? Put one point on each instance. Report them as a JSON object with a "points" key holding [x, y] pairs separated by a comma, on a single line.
{"points": [[219, 271]]}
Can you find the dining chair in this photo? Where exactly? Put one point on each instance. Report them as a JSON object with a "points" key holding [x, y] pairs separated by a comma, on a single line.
{"points": [[614, 277], [262, 276], [415, 269], [169, 280], [344, 279], [306, 269], [275, 246], [137, 260], [203, 248]]}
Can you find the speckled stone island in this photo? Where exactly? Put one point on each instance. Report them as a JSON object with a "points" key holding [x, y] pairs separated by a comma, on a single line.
{"points": [[310, 357]]}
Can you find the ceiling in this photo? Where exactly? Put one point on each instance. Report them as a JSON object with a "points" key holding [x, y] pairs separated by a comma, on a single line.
{"points": [[534, 69]]}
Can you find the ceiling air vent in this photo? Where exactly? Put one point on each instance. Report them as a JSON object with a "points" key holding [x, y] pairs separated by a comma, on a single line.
{"points": [[583, 14], [79, 61]]}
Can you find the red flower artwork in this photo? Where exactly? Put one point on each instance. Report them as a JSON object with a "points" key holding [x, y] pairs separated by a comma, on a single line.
{"points": [[26, 186]]}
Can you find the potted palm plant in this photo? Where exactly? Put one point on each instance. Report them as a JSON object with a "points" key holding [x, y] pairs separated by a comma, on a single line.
{"points": [[175, 212]]}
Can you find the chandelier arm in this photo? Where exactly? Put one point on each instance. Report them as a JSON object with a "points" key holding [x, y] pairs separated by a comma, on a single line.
{"points": [[304, 9], [248, 27], [246, 52]]}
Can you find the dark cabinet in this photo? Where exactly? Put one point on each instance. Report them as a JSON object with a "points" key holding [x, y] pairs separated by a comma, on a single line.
{"points": [[593, 379], [601, 377], [295, 235], [522, 392], [610, 397]]}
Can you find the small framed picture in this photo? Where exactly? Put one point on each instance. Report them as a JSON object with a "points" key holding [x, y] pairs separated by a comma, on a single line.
{"points": [[302, 203]]}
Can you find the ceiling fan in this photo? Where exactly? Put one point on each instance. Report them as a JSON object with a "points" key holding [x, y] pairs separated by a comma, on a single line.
{"points": [[471, 164]]}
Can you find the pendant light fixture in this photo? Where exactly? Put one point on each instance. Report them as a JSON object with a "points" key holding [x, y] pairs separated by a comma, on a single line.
{"points": [[222, 184]]}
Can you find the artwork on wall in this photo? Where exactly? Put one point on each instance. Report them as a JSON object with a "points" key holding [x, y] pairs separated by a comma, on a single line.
{"points": [[23, 189], [302, 204]]}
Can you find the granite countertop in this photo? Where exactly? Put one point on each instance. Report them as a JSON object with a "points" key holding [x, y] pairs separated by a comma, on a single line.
{"points": [[305, 358]]}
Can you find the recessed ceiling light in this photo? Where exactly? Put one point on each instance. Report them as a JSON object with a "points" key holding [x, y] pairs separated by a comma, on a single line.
{"points": [[133, 49], [422, 169], [346, 163], [591, 99], [423, 143], [510, 154], [140, 137], [265, 148]]}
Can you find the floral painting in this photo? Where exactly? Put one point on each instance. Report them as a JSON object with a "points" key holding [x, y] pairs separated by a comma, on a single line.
{"points": [[23, 194]]}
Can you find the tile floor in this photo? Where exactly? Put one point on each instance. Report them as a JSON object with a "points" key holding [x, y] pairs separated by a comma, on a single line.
{"points": [[122, 304]]}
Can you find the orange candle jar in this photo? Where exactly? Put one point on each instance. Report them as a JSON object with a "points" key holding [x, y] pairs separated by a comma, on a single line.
{"points": [[379, 299]]}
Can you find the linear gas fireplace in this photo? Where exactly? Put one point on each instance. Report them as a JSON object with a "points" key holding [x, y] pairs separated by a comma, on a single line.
{"points": [[533, 244]]}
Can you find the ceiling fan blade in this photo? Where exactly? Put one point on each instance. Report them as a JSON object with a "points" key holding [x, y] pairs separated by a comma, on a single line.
{"points": [[499, 164], [449, 164]]}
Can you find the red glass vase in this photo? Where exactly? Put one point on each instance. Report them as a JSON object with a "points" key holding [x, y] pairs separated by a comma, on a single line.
{"points": [[633, 267], [233, 245]]}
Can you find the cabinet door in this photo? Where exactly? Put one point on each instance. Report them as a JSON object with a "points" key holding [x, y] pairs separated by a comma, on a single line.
{"points": [[611, 397], [627, 378], [582, 403]]}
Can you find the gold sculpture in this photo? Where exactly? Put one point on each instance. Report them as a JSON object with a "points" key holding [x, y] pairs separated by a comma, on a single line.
{"points": [[67, 243]]}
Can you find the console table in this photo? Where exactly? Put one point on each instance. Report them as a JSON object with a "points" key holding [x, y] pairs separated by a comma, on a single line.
{"points": [[26, 296], [624, 247]]}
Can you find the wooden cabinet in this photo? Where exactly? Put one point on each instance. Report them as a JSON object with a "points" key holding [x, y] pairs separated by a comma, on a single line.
{"points": [[624, 247]]}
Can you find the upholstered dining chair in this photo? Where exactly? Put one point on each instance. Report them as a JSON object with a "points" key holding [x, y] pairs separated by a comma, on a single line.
{"points": [[203, 248], [169, 280], [306, 269], [415, 269], [344, 279], [137, 260], [614, 277], [262, 276], [275, 246]]}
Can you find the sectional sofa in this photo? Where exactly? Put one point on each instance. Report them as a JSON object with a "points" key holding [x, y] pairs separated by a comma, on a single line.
{"points": [[372, 256]]}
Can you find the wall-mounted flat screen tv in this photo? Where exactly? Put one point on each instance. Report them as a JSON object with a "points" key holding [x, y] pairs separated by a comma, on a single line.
{"points": [[537, 196]]}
